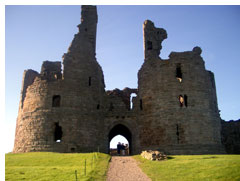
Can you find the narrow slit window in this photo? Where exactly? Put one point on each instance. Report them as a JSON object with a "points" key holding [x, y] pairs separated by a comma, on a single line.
{"points": [[141, 106], [56, 100], [186, 100], [177, 133], [89, 81], [58, 133], [98, 106], [181, 100], [179, 73], [149, 45]]}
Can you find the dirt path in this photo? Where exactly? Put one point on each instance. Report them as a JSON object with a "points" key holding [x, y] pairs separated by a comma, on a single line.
{"points": [[125, 168]]}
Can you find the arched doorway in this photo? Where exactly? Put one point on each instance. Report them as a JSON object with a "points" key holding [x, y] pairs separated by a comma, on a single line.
{"points": [[120, 130]]}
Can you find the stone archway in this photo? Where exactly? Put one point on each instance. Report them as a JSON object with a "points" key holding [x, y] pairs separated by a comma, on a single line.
{"points": [[120, 129]]}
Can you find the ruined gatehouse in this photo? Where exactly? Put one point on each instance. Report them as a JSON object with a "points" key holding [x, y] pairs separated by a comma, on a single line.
{"points": [[65, 107]]}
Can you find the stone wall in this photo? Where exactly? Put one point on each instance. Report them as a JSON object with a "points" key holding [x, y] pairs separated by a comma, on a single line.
{"points": [[65, 108], [231, 136]]}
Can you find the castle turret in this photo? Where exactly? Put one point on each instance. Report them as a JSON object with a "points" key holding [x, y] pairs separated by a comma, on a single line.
{"points": [[178, 98], [58, 109]]}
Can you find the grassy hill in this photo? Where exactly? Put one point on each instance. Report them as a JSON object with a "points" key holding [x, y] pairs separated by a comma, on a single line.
{"points": [[47, 166], [193, 167]]}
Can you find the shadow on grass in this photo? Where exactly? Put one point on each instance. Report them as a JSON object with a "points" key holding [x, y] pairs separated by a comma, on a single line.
{"points": [[209, 157], [170, 157]]}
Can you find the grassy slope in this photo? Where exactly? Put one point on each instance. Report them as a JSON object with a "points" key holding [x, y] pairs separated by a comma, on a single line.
{"points": [[56, 166], [198, 167]]}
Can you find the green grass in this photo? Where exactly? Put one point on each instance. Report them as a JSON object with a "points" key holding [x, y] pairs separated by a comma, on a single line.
{"points": [[197, 167], [47, 166]]}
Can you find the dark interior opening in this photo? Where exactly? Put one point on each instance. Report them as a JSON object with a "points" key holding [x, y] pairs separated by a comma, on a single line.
{"points": [[56, 101], [58, 133], [186, 100], [120, 130], [177, 133], [98, 106], [89, 81], [149, 45], [141, 106], [179, 73]]}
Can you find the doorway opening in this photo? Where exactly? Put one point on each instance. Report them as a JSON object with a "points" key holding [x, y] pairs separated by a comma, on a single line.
{"points": [[122, 134], [119, 145]]}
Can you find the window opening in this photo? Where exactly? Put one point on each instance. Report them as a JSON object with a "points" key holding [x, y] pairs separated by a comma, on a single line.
{"points": [[132, 96], [179, 73], [149, 45], [141, 106], [177, 133], [56, 101], [98, 106], [181, 100], [185, 100], [58, 133], [89, 81]]}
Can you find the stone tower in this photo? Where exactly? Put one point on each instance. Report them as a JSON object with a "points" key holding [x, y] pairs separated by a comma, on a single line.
{"points": [[175, 109]]}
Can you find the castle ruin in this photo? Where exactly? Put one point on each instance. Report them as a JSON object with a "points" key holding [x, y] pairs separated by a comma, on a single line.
{"points": [[65, 107]]}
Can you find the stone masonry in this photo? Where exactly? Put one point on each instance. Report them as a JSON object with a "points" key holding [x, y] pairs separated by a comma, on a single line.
{"points": [[231, 136], [65, 107]]}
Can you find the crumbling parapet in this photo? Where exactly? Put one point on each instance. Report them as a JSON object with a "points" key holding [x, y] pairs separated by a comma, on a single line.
{"points": [[124, 95], [152, 38], [51, 70], [28, 78], [88, 24]]}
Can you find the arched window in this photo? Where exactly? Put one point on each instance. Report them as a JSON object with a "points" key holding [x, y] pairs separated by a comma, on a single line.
{"points": [[56, 101]]}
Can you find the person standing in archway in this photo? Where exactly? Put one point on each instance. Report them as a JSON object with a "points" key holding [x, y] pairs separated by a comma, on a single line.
{"points": [[118, 148], [123, 149], [127, 149]]}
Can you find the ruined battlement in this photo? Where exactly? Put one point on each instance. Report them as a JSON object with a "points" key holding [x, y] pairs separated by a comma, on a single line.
{"points": [[65, 107], [152, 38], [51, 70]]}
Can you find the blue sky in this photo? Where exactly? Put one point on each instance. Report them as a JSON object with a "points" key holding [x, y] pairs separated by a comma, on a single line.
{"points": [[34, 34]]}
